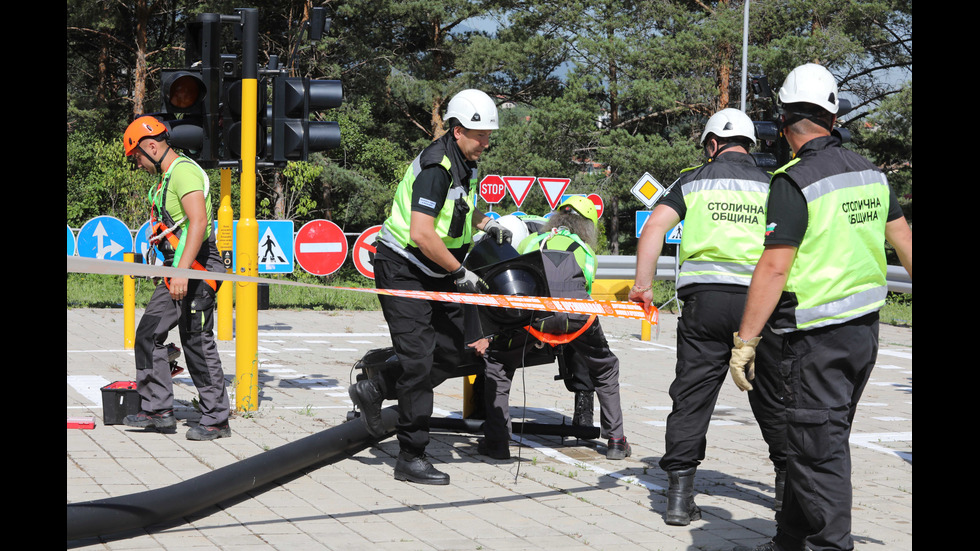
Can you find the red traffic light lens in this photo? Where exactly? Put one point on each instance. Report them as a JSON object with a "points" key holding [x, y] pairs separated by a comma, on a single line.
{"points": [[185, 91]]}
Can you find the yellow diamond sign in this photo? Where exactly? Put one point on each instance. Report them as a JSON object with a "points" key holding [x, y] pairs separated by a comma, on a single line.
{"points": [[647, 189]]}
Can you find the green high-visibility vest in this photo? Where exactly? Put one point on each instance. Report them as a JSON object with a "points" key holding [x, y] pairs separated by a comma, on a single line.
{"points": [[723, 230], [453, 227], [833, 277]]}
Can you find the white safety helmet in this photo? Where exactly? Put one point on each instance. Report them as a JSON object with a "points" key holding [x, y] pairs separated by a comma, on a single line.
{"points": [[474, 110], [728, 123], [813, 84], [516, 227]]}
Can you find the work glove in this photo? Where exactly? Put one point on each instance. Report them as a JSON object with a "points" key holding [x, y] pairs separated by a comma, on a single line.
{"points": [[742, 364], [468, 282], [496, 231]]}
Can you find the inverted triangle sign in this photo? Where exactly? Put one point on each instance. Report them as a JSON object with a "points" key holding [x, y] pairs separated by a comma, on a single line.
{"points": [[553, 189], [518, 186]]}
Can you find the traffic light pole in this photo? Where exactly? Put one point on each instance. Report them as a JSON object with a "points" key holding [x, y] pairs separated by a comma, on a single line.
{"points": [[246, 326], [226, 216]]}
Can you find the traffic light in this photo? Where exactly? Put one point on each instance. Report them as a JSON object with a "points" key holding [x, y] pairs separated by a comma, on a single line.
{"points": [[191, 95], [294, 135], [190, 101], [231, 116]]}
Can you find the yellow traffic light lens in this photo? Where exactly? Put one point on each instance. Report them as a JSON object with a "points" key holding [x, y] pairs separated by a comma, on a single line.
{"points": [[185, 91]]}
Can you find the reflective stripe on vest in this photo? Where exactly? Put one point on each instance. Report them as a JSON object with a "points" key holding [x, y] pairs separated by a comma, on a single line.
{"points": [[831, 286]]}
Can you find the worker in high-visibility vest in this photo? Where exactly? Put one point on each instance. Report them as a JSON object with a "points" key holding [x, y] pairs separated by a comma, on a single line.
{"points": [[722, 202], [421, 247], [820, 283]]}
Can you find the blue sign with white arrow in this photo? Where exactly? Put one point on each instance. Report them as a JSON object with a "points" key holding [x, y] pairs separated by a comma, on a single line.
{"points": [[104, 238]]}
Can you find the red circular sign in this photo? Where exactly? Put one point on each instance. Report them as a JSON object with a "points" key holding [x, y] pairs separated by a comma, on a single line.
{"points": [[361, 253], [320, 247], [598, 203], [492, 188]]}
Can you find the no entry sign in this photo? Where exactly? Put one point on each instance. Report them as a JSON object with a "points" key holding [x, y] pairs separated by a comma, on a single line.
{"points": [[321, 247]]}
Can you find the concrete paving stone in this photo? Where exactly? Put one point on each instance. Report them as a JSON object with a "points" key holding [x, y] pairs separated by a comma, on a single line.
{"points": [[560, 493]]}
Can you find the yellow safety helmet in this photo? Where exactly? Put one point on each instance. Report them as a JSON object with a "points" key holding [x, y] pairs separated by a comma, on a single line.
{"points": [[581, 205]]}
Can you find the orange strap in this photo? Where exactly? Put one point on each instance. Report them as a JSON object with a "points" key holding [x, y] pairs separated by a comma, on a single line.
{"points": [[174, 242], [560, 339]]}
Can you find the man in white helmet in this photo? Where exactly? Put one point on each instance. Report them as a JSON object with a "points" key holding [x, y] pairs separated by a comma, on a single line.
{"points": [[421, 247], [823, 274], [722, 203]]}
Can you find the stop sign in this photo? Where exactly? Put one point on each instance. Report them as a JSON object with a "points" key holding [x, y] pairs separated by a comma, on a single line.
{"points": [[492, 189]]}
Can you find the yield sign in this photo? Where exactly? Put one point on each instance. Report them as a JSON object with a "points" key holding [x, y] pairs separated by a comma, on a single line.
{"points": [[321, 247], [492, 189], [363, 249], [553, 189], [518, 186]]}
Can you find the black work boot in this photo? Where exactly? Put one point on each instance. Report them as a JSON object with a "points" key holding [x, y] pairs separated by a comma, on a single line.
{"points": [[780, 488], [368, 398], [681, 509], [163, 421], [771, 546], [584, 405], [418, 469]]}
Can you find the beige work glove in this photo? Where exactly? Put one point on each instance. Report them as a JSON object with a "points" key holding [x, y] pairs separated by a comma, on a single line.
{"points": [[742, 364]]}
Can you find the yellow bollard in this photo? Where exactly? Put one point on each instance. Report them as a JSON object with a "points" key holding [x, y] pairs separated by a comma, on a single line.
{"points": [[129, 306], [645, 330], [469, 408]]}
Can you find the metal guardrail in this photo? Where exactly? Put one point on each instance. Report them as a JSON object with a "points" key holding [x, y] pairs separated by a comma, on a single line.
{"points": [[624, 267]]}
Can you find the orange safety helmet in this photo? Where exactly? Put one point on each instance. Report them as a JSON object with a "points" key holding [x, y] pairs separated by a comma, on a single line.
{"points": [[143, 127]]}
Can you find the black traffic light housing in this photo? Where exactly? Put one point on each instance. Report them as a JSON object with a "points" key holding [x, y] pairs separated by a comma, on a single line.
{"points": [[294, 135], [231, 111], [191, 96]]}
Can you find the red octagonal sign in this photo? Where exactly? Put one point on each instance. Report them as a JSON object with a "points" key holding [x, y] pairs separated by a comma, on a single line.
{"points": [[492, 189], [320, 247]]}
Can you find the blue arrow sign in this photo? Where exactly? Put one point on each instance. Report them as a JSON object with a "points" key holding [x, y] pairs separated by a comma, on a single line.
{"points": [[104, 238]]}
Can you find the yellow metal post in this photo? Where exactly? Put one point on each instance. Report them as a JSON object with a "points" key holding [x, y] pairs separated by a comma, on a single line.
{"points": [[469, 407], [226, 295], [129, 306], [247, 307], [645, 329]]}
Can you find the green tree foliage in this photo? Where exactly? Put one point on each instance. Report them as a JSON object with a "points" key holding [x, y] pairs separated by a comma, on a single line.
{"points": [[599, 92]]}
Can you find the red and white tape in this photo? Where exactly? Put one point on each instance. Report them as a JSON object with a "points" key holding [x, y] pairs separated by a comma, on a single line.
{"points": [[606, 308]]}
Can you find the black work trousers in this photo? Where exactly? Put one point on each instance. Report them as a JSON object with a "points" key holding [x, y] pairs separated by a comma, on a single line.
{"points": [[705, 332], [825, 371], [428, 338]]}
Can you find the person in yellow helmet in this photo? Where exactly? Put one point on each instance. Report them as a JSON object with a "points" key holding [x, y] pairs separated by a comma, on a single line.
{"points": [[181, 227], [567, 242]]}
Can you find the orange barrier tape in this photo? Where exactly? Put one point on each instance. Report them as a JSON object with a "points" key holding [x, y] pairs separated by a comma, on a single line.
{"points": [[606, 308]]}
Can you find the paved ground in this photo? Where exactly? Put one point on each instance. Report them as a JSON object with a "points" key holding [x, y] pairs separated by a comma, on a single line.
{"points": [[551, 494]]}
